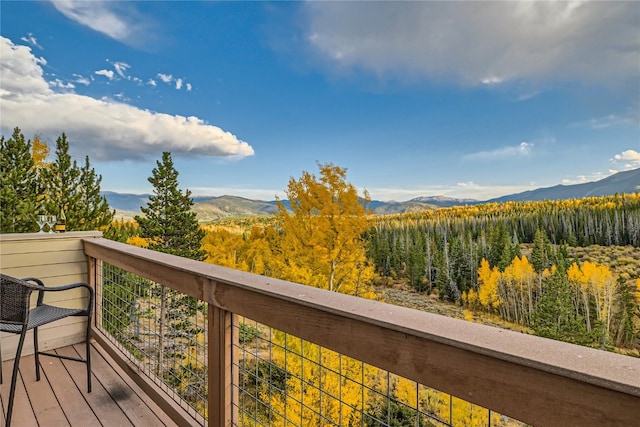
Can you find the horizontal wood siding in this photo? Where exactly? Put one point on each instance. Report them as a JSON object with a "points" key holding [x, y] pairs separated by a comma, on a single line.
{"points": [[56, 259]]}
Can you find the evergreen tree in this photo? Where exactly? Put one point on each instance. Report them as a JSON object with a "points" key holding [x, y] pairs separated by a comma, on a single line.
{"points": [[93, 210], [168, 223], [170, 226], [74, 190], [18, 184], [541, 252], [555, 316]]}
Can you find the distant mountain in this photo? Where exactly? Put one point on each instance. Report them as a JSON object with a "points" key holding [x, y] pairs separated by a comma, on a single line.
{"points": [[206, 208], [621, 182], [213, 208], [126, 202], [443, 202], [126, 205]]}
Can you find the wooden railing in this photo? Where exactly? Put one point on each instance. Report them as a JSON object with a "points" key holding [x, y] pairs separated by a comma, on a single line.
{"points": [[535, 380]]}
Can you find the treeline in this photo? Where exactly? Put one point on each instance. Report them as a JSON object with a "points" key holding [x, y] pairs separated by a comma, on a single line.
{"points": [[443, 248], [31, 185]]}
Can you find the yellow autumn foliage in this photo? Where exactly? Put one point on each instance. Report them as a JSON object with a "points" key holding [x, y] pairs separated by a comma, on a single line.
{"points": [[138, 241], [488, 286]]}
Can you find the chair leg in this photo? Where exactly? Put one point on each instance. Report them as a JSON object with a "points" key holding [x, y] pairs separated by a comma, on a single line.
{"points": [[88, 357], [0, 361], [36, 354], [14, 377]]}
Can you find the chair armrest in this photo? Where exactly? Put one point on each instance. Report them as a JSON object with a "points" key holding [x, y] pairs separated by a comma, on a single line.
{"points": [[41, 288]]}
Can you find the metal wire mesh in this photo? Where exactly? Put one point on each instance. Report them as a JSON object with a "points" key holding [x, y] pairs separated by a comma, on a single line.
{"points": [[278, 379], [282, 380], [160, 330]]}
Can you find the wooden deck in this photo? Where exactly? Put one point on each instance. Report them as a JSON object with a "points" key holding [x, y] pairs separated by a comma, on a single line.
{"points": [[60, 398]]}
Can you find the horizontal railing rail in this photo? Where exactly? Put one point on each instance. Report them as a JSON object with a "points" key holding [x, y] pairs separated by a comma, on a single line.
{"points": [[532, 379]]}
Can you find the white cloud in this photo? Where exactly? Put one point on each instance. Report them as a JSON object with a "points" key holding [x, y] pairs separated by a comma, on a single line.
{"points": [[152, 82], [57, 83], [475, 42], [630, 158], [121, 68], [82, 80], [30, 38], [178, 82], [102, 129], [107, 73], [520, 150], [166, 78], [631, 118], [460, 190], [116, 19], [492, 80], [581, 179]]}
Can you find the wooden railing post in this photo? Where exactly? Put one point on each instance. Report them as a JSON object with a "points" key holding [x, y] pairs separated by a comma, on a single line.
{"points": [[219, 367]]}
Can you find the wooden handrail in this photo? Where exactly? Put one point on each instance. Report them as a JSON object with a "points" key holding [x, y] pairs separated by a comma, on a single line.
{"points": [[532, 379]]}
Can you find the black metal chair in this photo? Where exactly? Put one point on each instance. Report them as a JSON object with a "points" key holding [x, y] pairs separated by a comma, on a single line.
{"points": [[17, 317]]}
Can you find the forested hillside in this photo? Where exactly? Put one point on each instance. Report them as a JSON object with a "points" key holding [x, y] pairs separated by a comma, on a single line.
{"points": [[568, 269], [565, 269]]}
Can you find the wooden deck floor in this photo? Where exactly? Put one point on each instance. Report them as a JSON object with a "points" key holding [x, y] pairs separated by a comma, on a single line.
{"points": [[60, 398]]}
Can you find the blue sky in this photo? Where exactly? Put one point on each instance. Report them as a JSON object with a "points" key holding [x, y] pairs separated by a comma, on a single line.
{"points": [[462, 99]]}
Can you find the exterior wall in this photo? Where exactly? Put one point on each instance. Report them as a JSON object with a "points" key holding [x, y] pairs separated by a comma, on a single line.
{"points": [[56, 259]]}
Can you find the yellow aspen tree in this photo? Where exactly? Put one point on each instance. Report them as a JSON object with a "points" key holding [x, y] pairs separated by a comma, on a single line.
{"points": [[467, 414], [138, 241], [39, 152], [323, 387], [322, 242], [603, 288], [520, 278], [598, 286], [579, 281], [224, 248], [488, 286]]}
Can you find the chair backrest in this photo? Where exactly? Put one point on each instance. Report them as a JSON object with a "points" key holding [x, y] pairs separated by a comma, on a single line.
{"points": [[14, 300]]}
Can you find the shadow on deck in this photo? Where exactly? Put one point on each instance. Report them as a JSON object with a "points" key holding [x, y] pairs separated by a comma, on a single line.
{"points": [[60, 398]]}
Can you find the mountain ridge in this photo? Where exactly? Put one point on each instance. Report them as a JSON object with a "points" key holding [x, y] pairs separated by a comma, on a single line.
{"points": [[211, 208]]}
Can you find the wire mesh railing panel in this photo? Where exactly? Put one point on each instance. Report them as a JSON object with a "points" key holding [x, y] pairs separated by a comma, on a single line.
{"points": [[277, 379], [162, 331], [282, 380]]}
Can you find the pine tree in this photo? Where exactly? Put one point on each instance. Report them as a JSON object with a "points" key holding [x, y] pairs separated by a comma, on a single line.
{"points": [[168, 223], [93, 210], [18, 184], [169, 226], [541, 252], [74, 190], [555, 316], [61, 180]]}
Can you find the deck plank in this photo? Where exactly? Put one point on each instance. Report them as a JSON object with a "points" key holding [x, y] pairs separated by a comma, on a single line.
{"points": [[22, 412], [141, 410], [60, 398], [100, 399], [41, 395], [72, 400]]}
